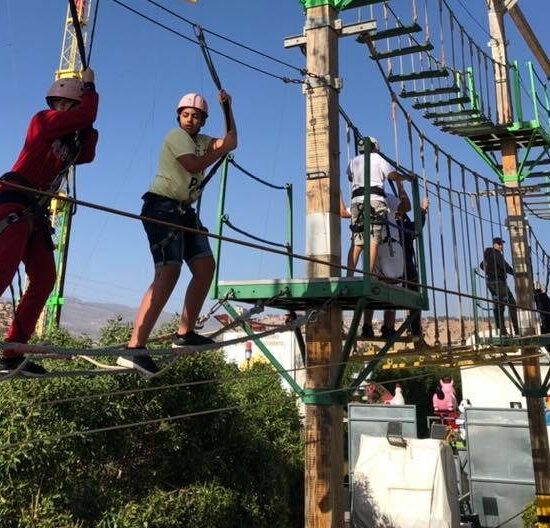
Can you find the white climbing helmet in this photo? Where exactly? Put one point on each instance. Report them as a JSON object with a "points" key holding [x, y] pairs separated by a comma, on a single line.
{"points": [[193, 100]]}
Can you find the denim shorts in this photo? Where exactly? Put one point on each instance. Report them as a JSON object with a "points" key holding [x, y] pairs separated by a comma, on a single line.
{"points": [[170, 245]]}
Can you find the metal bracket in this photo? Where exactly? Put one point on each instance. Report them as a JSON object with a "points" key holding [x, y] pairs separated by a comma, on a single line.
{"points": [[317, 175], [395, 434], [322, 81], [359, 28], [326, 396]]}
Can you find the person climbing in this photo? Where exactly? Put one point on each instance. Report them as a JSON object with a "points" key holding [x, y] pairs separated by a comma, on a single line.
{"points": [[380, 171], [56, 138], [542, 302], [407, 230], [495, 267], [184, 155], [389, 263]]}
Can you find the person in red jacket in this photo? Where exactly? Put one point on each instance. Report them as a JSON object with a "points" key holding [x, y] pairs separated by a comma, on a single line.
{"points": [[56, 139]]}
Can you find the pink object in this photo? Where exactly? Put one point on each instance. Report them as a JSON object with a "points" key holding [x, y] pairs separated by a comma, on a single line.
{"points": [[193, 100], [444, 399], [68, 88]]}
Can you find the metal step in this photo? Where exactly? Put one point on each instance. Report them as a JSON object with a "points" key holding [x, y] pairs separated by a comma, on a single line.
{"points": [[361, 3], [443, 102], [455, 113], [418, 76], [469, 130], [428, 93], [399, 52], [393, 32], [473, 121]]}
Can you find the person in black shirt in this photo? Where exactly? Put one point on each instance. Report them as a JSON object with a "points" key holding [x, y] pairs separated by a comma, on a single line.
{"points": [[542, 302], [495, 267], [408, 234]]}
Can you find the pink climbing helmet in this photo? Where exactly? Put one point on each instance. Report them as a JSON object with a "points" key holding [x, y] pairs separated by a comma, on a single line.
{"points": [[69, 88], [193, 100]]}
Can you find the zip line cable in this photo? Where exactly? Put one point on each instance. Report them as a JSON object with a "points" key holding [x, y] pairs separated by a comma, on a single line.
{"points": [[132, 425], [245, 243], [227, 39], [92, 35], [469, 13], [128, 392], [193, 41]]}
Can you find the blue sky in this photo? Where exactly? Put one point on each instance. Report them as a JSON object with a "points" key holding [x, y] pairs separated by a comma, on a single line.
{"points": [[141, 73]]}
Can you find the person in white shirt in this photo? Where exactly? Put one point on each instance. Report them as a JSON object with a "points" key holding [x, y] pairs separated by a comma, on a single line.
{"points": [[380, 171]]}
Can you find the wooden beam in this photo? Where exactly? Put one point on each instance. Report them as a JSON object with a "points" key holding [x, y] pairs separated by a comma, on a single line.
{"points": [[529, 36]]}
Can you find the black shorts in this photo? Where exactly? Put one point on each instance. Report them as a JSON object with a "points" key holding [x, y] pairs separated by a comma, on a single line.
{"points": [[170, 245]]}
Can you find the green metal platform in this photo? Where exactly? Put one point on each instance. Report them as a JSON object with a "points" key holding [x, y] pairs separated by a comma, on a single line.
{"points": [[490, 138], [301, 294]]}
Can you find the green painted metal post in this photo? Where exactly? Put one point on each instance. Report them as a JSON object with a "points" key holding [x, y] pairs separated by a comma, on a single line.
{"points": [[471, 89], [518, 108], [213, 292], [289, 230], [352, 334], [546, 104], [270, 357], [533, 92], [418, 227], [475, 310], [367, 147]]}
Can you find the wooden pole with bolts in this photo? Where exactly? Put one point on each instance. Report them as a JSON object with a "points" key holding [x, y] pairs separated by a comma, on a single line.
{"points": [[523, 277], [324, 472]]}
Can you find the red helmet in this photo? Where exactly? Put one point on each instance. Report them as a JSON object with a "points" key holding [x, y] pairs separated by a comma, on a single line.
{"points": [[68, 88], [193, 100]]}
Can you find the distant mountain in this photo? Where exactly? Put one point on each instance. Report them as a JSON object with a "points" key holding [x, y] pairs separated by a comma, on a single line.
{"points": [[81, 317]]}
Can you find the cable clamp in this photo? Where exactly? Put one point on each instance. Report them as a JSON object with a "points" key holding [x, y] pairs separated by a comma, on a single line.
{"points": [[322, 81]]}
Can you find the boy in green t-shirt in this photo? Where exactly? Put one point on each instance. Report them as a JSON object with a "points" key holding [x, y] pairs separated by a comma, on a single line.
{"points": [[184, 156]]}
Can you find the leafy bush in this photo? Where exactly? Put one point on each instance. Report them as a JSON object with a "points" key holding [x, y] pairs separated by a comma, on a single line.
{"points": [[228, 453], [529, 516]]}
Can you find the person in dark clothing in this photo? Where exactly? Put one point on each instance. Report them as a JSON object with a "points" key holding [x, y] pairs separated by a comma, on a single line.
{"points": [[542, 302], [408, 234], [495, 267]]}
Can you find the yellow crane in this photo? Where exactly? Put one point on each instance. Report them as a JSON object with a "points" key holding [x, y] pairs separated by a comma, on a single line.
{"points": [[70, 65]]}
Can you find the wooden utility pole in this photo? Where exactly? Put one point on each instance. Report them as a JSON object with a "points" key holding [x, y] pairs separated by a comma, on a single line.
{"points": [[521, 262], [324, 473]]}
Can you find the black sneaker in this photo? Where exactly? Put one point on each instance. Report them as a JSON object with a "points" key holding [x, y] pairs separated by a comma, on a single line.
{"points": [[190, 339], [367, 332], [142, 363], [31, 369]]}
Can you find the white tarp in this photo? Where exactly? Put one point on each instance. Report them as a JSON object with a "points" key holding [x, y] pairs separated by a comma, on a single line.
{"points": [[404, 487]]}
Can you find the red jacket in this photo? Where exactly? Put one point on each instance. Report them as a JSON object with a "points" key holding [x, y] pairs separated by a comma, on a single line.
{"points": [[45, 154]]}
